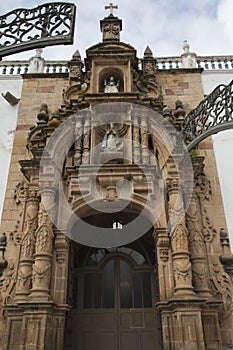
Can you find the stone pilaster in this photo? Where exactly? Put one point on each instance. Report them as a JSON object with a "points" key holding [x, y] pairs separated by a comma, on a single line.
{"points": [[60, 272], [161, 235]]}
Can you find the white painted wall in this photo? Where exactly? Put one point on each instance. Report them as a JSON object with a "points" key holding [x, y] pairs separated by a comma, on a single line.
{"points": [[223, 148], [8, 121]]}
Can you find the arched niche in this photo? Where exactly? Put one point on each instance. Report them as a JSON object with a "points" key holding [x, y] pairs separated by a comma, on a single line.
{"points": [[105, 75]]}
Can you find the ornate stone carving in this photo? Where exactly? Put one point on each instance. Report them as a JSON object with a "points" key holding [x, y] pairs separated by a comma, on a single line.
{"points": [[3, 262], [163, 245], [23, 285], [44, 238], [182, 273], [44, 245], [179, 239], [78, 143], [86, 141], [111, 194], [21, 192], [7, 284], [20, 196], [41, 276], [222, 285]]}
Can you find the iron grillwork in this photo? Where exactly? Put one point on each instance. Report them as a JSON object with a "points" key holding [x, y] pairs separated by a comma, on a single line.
{"points": [[45, 25], [213, 114]]}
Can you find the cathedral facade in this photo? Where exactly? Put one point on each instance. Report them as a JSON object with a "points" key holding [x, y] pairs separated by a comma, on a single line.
{"points": [[113, 234]]}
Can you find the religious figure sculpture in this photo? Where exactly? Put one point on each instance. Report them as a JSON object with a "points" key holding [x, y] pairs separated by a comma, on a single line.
{"points": [[188, 58], [36, 63], [111, 140], [111, 87]]}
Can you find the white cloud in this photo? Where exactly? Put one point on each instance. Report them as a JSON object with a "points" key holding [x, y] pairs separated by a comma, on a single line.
{"points": [[224, 15]]}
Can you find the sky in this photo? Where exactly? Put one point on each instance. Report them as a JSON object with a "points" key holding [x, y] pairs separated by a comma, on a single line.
{"points": [[161, 24]]}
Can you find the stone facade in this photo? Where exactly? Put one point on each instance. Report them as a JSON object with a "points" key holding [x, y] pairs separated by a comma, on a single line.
{"points": [[193, 259]]}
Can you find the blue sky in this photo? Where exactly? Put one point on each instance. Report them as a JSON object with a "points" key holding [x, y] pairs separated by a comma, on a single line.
{"points": [[161, 24]]}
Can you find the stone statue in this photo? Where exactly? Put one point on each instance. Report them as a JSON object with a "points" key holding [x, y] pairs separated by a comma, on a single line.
{"points": [[111, 86], [111, 140], [188, 59], [36, 63]]}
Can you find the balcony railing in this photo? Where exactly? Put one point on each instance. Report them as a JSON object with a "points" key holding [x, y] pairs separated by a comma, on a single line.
{"points": [[206, 62], [22, 67]]}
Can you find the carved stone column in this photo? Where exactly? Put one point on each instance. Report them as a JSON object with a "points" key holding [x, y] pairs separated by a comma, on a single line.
{"points": [[78, 143], [24, 282], [144, 141], [164, 263], [86, 140], [179, 242], [136, 141], [44, 245], [197, 249]]}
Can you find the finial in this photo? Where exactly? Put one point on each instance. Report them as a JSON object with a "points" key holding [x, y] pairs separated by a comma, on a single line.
{"points": [[111, 7], [76, 55], [148, 52]]}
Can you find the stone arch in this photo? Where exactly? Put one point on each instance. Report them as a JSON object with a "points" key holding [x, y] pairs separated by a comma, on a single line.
{"points": [[137, 218]]}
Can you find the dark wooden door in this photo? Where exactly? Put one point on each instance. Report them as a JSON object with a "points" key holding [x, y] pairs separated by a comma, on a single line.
{"points": [[115, 308]]}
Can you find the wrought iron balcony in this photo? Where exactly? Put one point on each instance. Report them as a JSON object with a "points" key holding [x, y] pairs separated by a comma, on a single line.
{"points": [[45, 25], [213, 114]]}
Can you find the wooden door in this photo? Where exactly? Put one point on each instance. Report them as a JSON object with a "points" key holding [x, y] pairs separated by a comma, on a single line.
{"points": [[115, 308]]}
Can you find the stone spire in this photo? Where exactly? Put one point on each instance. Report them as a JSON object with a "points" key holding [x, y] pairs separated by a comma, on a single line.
{"points": [[111, 26]]}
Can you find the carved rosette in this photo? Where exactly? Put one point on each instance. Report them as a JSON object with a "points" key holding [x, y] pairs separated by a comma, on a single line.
{"points": [[43, 248], [179, 242], [24, 279]]}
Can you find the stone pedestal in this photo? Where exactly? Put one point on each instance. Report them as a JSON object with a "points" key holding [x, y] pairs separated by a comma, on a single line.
{"points": [[36, 326]]}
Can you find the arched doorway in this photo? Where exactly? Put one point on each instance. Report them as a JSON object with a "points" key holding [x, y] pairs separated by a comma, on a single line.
{"points": [[113, 294]]}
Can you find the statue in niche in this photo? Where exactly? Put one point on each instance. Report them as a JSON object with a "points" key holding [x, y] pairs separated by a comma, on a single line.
{"points": [[111, 140], [111, 86]]}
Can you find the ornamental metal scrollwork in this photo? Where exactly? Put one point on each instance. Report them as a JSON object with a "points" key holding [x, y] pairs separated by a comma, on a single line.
{"points": [[213, 114], [45, 25]]}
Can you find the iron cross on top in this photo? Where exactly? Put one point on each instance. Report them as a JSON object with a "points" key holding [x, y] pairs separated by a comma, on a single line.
{"points": [[111, 7]]}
